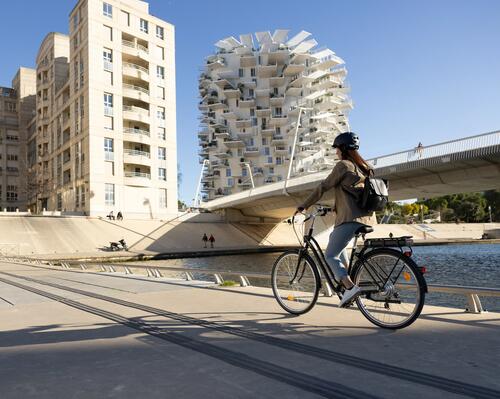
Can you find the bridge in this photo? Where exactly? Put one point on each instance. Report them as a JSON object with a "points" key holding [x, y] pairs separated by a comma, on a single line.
{"points": [[464, 165]]}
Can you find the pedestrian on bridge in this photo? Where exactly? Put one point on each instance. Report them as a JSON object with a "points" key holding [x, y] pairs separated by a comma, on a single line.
{"points": [[212, 240], [205, 240]]}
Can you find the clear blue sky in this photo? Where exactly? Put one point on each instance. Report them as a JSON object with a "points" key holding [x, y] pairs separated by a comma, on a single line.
{"points": [[424, 71]]}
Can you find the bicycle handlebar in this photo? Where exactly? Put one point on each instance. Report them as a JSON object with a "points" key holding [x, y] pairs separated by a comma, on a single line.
{"points": [[322, 211]]}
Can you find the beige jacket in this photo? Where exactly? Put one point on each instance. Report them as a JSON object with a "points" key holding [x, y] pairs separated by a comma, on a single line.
{"points": [[345, 182]]}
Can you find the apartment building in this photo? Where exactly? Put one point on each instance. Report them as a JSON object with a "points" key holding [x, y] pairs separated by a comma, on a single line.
{"points": [[16, 110], [104, 138], [264, 101]]}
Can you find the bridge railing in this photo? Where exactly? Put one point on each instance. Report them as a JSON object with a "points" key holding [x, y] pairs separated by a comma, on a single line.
{"points": [[471, 293], [478, 142]]}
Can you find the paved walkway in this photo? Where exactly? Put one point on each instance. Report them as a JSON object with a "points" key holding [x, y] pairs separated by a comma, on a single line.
{"points": [[92, 335]]}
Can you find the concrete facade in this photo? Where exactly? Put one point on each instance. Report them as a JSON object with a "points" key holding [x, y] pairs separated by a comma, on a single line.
{"points": [[16, 110], [104, 135], [264, 102]]}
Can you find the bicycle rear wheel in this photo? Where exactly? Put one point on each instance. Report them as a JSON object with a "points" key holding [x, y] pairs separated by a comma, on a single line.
{"points": [[295, 284], [393, 288]]}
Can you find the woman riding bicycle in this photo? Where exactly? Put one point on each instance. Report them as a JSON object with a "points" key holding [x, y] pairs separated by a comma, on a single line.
{"points": [[347, 182]]}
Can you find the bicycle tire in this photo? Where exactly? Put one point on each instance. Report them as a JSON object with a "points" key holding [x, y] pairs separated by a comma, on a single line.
{"points": [[308, 290], [414, 281]]}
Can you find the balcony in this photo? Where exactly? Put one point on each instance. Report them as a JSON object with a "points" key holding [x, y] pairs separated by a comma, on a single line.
{"points": [[243, 123], [267, 131], [278, 140], [135, 49], [221, 134], [278, 120], [136, 92], [266, 71], [262, 92], [136, 157], [134, 113], [248, 61], [247, 103], [234, 143], [230, 92], [263, 112], [276, 81], [138, 179], [277, 100], [136, 135], [294, 69], [281, 151], [135, 71], [251, 152]]}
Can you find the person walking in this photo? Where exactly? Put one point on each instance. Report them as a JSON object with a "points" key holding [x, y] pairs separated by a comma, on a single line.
{"points": [[212, 240], [346, 180], [119, 215], [205, 240]]}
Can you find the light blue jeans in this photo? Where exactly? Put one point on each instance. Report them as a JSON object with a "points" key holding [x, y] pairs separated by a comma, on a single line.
{"points": [[336, 254]]}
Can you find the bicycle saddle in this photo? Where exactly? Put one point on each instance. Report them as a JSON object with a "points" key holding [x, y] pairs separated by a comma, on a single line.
{"points": [[364, 230]]}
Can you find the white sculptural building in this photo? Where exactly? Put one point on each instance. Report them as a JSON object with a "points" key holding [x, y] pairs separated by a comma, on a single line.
{"points": [[265, 101]]}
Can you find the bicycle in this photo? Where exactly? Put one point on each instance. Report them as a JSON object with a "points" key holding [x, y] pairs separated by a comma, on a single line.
{"points": [[392, 286]]}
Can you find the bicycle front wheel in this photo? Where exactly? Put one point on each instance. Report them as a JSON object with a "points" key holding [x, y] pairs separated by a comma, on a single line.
{"points": [[295, 282], [393, 288]]}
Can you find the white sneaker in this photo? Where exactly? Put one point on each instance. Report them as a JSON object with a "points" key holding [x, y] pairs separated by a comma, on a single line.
{"points": [[349, 295]]}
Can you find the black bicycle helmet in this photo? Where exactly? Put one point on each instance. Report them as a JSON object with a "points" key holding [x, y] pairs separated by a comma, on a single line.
{"points": [[348, 141]]}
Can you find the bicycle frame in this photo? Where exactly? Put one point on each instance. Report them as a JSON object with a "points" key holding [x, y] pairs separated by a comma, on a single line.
{"points": [[310, 243]]}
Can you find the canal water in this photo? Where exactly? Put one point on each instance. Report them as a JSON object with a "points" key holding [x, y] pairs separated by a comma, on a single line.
{"points": [[472, 265]]}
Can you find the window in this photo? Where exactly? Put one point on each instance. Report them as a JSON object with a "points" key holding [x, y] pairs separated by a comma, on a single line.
{"points": [[161, 92], [161, 133], [107, 55], [160, 32], [270, 160], [107, 10], [160, 52], [160, 113], [108, 123], [162, 174], [160, 72], [108, 32], [275, 91], [271, 171], [108, 149], [11, 107], [108, 104], [250, 93], [11, 193], [162, 198], [144, 26], [59, 201], [230, 182], [12, 157], [267, 152], [241, 72], [109, 194], [228, 172], [279, 161], [252, 112], [76, 19], [252, 72], [125, 18], [162, 153], [264, 140], [244, 172]]}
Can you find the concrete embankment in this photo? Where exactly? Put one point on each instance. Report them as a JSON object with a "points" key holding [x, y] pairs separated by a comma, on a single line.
{"points": [[80, 237]]}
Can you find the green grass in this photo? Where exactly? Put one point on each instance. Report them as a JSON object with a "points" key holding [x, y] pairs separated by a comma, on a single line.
{"points": [[228, 283]]}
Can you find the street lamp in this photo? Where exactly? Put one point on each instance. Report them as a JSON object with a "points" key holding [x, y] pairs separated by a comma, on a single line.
{"points": [[249, 171], [293, 147], [489, 210], [196, 201]]}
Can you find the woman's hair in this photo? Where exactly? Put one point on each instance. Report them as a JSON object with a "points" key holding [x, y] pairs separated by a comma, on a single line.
{"points": [[356, 159]]}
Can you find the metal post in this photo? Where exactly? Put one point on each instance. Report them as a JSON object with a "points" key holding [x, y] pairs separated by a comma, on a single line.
{"points": [[196, 202], [292, 155], [489, 210], [250, 171]]}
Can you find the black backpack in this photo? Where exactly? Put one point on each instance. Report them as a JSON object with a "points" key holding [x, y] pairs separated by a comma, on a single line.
{"points": [[375, 195]]}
